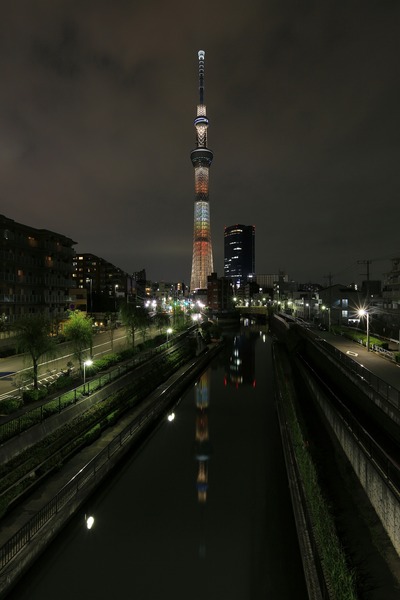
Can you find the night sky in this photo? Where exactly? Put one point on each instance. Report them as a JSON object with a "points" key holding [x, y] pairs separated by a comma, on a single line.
{"points": [[97, 101]]}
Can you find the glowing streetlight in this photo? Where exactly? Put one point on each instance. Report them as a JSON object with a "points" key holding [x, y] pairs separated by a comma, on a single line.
{"points": [[329, 316], [86, 363], [169, 331], [116, 286], [364, 313]]}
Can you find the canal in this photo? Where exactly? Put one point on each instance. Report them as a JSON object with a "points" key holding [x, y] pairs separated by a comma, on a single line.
{"points": [[201, 511]]}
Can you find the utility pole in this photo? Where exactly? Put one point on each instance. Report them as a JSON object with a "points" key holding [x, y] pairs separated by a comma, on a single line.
{"points": [[366, 262], [329, 278]]}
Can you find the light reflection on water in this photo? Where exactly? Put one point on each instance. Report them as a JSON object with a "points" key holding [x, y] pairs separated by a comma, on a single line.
{"points": [[201, 512]]}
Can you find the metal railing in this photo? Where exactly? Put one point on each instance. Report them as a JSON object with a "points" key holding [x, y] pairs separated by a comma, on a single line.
{"points": [[34, 416], [384, 389]]}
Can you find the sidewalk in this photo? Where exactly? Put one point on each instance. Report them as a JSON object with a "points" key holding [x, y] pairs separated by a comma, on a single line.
{"points": [[378, 364]]}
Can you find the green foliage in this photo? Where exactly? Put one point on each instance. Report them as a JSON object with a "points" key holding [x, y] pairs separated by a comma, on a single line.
{"points": [[32, 336], [134, 318], [105, 362], [10, 405], [93, 434], [62, 382], [34, 395], [125, 354], [78, 330], [361, 336], [161, 320], [332, 555]]}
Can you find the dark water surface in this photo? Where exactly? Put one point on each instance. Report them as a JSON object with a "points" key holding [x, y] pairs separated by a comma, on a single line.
{"points": [[203, 511]]}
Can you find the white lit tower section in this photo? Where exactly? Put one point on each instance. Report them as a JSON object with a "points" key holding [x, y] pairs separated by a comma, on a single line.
{"points": [[201, 157]]}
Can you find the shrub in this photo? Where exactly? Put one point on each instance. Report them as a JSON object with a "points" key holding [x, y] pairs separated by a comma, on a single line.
{"points": [[93, 434], [125, 354], [63, 381], [34, 395], [10, 405]]}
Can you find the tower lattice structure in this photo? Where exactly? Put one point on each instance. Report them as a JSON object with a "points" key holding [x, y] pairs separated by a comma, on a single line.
{"points": [[201, 157]]}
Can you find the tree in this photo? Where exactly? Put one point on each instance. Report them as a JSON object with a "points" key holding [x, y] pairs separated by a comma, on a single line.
{"points": [[111, 326], [78, 330], [161, 320], [134, 318], [33, 337]]}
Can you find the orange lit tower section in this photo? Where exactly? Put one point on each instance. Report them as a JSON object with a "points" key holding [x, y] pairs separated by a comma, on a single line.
{"points": [[201, 157]]}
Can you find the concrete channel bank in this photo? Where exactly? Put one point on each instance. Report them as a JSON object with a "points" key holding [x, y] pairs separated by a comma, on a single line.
{"points": [[28, 530]]}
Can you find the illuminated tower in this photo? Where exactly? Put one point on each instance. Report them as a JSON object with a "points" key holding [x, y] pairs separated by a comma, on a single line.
{"points": [[201, 156]]}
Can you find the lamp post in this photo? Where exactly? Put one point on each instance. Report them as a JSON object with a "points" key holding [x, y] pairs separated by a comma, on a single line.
{"points": [[329, 315], [115, 297], [90, 281], [362, 313], [86, 363], [169, 331]]}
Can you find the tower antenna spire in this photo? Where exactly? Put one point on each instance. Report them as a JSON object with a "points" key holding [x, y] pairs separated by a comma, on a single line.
{"points": [[201, 55]]}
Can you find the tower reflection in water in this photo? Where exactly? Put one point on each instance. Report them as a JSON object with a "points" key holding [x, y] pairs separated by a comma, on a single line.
{"points": [[202, 449]]}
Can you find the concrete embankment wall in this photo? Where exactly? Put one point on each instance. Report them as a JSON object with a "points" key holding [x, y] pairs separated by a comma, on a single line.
{"points": [[384, 498]]}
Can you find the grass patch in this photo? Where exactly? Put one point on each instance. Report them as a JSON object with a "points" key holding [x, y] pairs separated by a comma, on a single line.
{"points": [[333, 559]]}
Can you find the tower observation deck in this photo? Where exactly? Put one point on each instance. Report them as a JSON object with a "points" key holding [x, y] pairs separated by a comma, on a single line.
{"points": [[201, 157]]}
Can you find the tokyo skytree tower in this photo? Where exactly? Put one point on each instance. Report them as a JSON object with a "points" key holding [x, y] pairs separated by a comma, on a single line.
{"points": [[201, 157]]}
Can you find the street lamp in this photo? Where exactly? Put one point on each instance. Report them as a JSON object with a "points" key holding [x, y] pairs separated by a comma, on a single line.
{"points": [[362, 313], [90, 281], [329, 315], [115, 297], [169, 331], [86, 363]]}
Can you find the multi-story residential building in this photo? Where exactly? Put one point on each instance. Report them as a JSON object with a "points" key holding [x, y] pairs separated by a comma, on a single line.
{"points": [[219, 293], [36, 269], [106, 284], [340, 304], [387, 308], [239, 253], [392, 283], [267, 281]]}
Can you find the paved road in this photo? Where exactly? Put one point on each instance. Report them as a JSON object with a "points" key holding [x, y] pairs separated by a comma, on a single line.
{"points": [[13, 368], [378, 364]]}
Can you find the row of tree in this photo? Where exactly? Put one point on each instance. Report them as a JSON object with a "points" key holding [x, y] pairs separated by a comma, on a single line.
{"points": [[33, 333]]}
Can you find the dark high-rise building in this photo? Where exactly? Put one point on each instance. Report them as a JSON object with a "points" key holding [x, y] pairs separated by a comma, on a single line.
{"points": [[239, 253], [201, 157]]}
